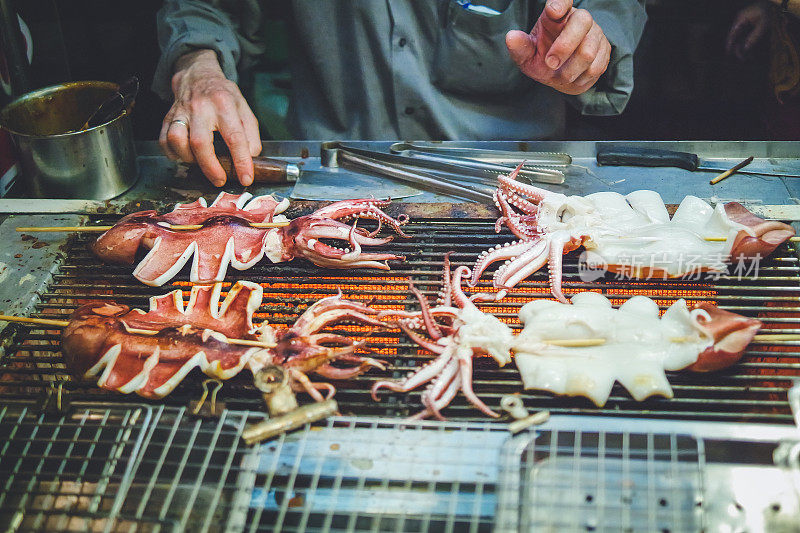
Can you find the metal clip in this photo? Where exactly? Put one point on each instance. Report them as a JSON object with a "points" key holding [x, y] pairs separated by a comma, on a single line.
{"points": [[282, 405], [273, 382], [208, 410], [512, 404], [53, 399]]}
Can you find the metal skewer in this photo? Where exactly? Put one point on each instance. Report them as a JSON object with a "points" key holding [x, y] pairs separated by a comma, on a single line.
{"points": [[98, 229], [137, 331]]}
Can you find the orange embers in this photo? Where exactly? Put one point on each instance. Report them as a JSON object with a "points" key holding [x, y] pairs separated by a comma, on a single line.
{"points": [[777, 362]]}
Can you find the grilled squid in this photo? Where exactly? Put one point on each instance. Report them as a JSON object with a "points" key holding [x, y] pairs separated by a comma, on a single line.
{"points": [[105, 341], [631, 235], [228, 238], [639, 345]]}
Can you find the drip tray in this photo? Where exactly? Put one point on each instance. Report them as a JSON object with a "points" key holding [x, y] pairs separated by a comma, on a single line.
{"points": [[601, 477]]}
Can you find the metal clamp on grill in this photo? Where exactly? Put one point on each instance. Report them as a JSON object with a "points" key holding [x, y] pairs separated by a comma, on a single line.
{"points": [[273, 382]]}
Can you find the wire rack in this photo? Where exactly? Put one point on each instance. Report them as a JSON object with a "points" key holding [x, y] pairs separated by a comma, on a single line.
{"points": [[160, 469], [594, 480], [151, 469], [65, 472]]}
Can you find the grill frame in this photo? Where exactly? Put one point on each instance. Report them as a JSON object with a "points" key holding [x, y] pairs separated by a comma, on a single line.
{"points": [[79, 274]]}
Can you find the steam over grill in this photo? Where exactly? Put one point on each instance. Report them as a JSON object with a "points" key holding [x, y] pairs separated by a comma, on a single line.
{"points": [[753, 390]]}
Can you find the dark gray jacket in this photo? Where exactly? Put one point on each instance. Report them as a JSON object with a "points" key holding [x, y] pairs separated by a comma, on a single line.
{"points": [[405, 69]]}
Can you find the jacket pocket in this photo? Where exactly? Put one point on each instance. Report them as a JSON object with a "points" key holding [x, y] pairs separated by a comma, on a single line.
{"points": [[471, 55]]}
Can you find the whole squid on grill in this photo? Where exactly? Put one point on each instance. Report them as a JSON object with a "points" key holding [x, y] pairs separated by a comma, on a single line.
{"points": [[99, 341], [636, 346], [640, 346], [227, 238], [632, 235]]}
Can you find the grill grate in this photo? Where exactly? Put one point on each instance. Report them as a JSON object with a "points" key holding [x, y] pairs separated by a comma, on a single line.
{"points": [[753, 390], [598, 480], [190, 474], [63, 473]]}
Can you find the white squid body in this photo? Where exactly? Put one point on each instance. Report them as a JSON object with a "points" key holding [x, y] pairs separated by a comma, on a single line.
{"points": [[639, 346], [636, 230]]}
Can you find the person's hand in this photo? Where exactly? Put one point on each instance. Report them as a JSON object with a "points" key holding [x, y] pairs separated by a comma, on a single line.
{"points": [[749, 27], [566, 49], [205, 102]]}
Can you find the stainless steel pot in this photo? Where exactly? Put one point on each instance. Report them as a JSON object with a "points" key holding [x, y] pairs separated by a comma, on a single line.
{"points": [[59, 162]]}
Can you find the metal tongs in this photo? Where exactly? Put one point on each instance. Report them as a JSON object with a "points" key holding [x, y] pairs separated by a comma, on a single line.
{"points": [[441, 175]]}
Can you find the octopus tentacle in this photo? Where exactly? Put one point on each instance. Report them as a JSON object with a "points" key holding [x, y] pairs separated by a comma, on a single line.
{"points": [[554, 265], [524, 265], [416, 337], [498, 253], [430, 323], [420, 377], [465, 363], [300, 382], [436, 400]]}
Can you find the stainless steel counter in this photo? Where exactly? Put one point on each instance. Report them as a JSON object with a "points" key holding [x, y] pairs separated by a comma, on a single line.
{"points": [[158, 182]]}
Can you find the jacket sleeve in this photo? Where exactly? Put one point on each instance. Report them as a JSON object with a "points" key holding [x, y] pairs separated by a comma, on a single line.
{"points": [[623, 23], [229, 27]]}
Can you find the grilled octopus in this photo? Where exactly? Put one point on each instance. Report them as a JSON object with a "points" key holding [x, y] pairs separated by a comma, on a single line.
{"points": [[631, 235], [99, 342], [227, 237]]}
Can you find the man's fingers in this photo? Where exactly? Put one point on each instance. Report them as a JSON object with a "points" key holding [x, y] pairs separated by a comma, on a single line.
{"points": [[521, 47], [556, 10], [250, 125], [201, 141], [574, 31], [162, 140], [178, 139], [597, 68], [232, 131], [584, 55]]}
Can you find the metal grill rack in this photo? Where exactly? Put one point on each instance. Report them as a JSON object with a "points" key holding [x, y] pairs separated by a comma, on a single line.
{"points": [[152, 469], [603, 480], [173, 472], [753, 390], [66, 472]]}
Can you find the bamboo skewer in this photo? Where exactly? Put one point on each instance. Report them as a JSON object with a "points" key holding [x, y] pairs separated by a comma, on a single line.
{"points": [[723, 239], [137, 331], [261, 344], [564, 343], [575, 343], [99, 229]]}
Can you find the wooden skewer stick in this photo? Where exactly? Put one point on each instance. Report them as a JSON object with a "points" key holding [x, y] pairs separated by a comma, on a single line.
{"points": [[99, 229], [765, 337], [137, 331], [575, 343], [723, 239], [732, 170]]}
